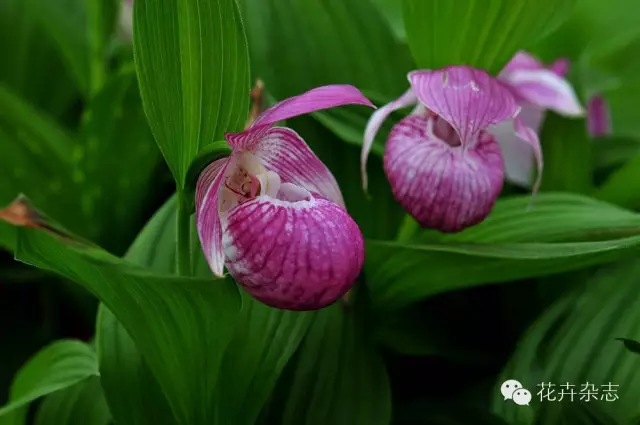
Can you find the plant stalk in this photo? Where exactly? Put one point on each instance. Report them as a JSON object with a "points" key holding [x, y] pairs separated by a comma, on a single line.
{"points": [[183, 236]]}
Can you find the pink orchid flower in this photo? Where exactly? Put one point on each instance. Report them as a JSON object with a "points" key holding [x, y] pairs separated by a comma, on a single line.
{"points": [[273, 213], [598, 117], [444, 165], [537, 89]]}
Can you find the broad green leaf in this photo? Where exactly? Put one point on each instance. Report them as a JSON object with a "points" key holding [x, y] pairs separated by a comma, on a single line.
{"points": [[337, 376], [301, 44], [131, 391], [264, 339], [35, 155], [480, 33], [392, 11], [621, 186], [567, 151], [610, 67], [31, 64], [80, 404], [590, 21], [170, 318], [575, 343], [193, 68], [613, 151], [507, 248], [116, 162], [56, 367], [555, 217]]}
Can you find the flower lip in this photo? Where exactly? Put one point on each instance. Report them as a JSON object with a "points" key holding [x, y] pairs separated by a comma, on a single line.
{"points": [[272, 175]]}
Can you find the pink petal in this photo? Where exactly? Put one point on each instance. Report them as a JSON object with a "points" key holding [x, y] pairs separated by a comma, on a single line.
{"points": [[467, 98], [522, 60], [545, 89], [300, 255], [518, 155], [528, 135], [443, 187], [324, 97], [560, 67], [598, 117], [374, 124], [207, 219], [284, 152]]}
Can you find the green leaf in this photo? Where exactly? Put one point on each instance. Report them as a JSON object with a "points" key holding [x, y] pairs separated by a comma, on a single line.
{"points": [[301, 44], [610, 67], [505, 248], [80, 404], [631, 345], [170, 318], [132, 392], [193, 68], [620, 187], [613, 151], [480, 33], [555, 217], [575, 342], [590, 21], [116, 163], [35, 154], [567, 150], [264, 340], [337, 376], [56, 367]]}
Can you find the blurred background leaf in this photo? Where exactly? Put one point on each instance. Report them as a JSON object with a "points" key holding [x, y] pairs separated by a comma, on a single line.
{"points": [[79, 404], [58, 366], [481, 33]]}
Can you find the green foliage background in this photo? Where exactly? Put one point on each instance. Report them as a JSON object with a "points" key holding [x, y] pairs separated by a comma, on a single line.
{"points": [[103, 133]]}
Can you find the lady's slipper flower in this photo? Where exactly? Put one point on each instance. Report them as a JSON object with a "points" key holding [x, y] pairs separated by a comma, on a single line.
{"points": [[444, 166], [273, 213], [536, 89]]}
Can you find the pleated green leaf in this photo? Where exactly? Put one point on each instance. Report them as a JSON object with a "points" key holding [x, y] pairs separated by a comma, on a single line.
{"points": [[575, 342], [264, 339], [80, 404], [56, 367], [567, 151], [170, 318], [336, 377], [513, 245], [130, 388], [480, 33], [193, 68], [301, 44]]}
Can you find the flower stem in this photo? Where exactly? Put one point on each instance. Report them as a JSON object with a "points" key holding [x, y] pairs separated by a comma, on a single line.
{"points": [[407, 229], [183, 228]]}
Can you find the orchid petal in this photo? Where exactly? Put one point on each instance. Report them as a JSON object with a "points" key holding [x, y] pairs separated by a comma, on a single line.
{"points": [[598, 117], [300, 255], [545, 89], [467, 98], [374, 124], [560, 67], [443, 187], [324, 97], [207, 218], [522, 60], [528, 135], [518, 156], [284, 152]]}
